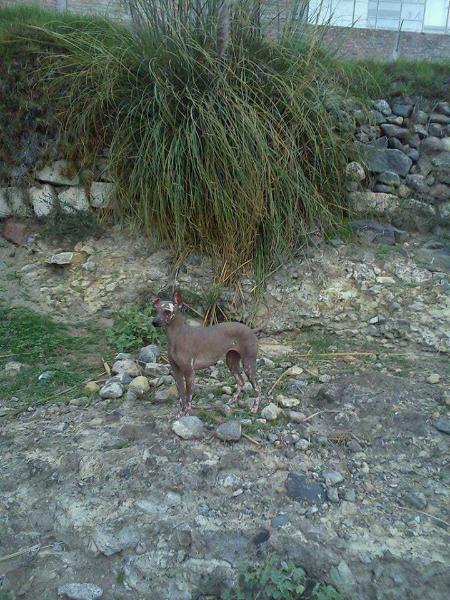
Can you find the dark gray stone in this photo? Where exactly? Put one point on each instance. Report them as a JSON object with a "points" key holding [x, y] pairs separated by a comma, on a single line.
{"points": [[439, 118], [430, 145], [389, 178], [395, 131], [420, 130], [333, 495], [441, 161], [415, 499], [442, 424], [396, 144], [444, 108], [394, 120], [261, 537], [149, 354], [403, 110], [332, 478], [414, 141], [417, 183], [379, 160], [378, 233], [377, 117], [230, 431], [384, 189], [413, 154], [299, 487], [435, 130], [279, 521], [419, 116]]}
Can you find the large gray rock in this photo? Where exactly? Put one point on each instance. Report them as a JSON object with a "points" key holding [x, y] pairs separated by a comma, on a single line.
{"points": [[299, 487], [389, 178], [80, 591], [373, 203], [109, 542], [383, 107], [402, 109], [379, 160], [149, 354], [392, 130], [439, 118], [101, 194], [332, 478], [441, 161], [271, 412], [61, 172], [42, 200], [62, 258], [355, 171], [128, 366], [74, 199], [230, 431], [111, 390], [189, 428]]}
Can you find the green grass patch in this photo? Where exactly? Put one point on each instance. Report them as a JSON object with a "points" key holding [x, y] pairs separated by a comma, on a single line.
{"points": [[45, 346], [279, 580], [375, 79], [133, 329]]}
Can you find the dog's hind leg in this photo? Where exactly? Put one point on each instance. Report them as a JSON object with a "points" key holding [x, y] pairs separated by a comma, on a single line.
{"points": [[233, 360], [250, 371]]}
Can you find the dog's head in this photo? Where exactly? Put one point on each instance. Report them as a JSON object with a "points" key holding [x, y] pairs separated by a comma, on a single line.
{"points": [[166, 310]]}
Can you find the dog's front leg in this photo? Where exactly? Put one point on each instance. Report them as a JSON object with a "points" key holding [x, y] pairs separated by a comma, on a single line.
{"points": [[189, 378], [179, 380]]}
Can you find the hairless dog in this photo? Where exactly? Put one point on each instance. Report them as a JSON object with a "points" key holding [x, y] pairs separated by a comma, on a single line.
{"points": [[193, 348]]}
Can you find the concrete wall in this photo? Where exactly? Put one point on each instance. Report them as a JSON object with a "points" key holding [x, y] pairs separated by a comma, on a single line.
{"points": [[380, 44]]}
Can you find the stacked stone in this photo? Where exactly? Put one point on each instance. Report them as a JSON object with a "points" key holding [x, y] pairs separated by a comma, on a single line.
{"points": [[405, 148], [60, 184]]}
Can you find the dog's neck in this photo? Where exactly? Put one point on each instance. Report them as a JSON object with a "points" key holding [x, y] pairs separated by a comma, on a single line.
{"points": [[176, 325]]}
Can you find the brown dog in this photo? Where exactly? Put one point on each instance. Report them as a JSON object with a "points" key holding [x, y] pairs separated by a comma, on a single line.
{"points": [[193, 348]]}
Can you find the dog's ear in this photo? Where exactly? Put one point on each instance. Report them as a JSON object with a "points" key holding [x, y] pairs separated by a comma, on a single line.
{"points": [[177, 298], [155, 299]]}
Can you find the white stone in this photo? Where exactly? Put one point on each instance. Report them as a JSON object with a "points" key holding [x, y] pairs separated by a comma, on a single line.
{"points": [[111, 390], [287, 402], [73, 199], [80, 591], [355, 171], [140, 384], [434, 378], [57, 173], [62, 258], [374, 203], [101, 194], [42, 200], [188, 428], [128, 366], [271, 412], [294, 371]]}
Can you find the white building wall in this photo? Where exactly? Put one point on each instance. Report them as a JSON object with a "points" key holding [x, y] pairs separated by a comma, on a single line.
{"points": [[410, 15]]}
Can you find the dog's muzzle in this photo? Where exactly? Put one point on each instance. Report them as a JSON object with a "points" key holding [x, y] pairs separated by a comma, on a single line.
{"points": [[157, 322]]}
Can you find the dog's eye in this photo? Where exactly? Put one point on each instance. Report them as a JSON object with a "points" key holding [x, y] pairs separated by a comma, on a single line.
{"points": [[168, 313]]}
